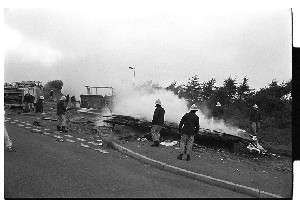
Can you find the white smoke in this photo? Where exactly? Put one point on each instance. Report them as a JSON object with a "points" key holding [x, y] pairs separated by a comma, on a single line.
{"points": [[140, 103], [218, 125]]}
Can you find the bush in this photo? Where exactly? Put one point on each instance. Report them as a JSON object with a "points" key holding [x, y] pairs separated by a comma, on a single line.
{"points": [[56, 86], [275, 148]]}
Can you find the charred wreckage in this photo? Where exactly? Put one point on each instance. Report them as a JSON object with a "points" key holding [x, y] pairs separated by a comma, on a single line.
{"points": [[242, 140]]}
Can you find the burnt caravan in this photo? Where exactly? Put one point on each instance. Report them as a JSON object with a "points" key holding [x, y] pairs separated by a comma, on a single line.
{"points": [[97, 97]]}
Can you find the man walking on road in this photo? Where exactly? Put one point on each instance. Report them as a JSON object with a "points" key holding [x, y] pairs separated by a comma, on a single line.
{"points": [[189, 127], [157, 122], [61, 111]]}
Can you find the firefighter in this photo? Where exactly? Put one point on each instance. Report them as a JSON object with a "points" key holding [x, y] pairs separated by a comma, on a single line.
{"points": [[157, 122], [67, 98], [255, 119], [61, 113], [217, 112], [73, 101], [26, 107], [39, 105], [31, 101], [37, 94], [51, 94], [189, 127]]}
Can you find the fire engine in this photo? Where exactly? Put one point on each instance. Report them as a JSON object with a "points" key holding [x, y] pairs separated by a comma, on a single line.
{"points": [[14, 92]]}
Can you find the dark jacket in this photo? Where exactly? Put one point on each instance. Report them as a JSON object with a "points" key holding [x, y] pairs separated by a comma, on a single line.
{"points": [[39, 106], [190, 123], [61, 108], [31, 99], [73, 99], [67, 98], [217, 112], [27, 98], [158, 116], [255, 116]]}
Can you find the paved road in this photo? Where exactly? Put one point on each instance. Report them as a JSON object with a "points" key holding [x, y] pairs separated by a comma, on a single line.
{"points": [[44, 168]]}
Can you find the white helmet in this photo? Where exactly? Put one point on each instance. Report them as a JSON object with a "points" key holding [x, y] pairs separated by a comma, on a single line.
{"points": [[194, 108], [218, 104], [63, 98], [255, 106], [158, 102], [41, 97]]}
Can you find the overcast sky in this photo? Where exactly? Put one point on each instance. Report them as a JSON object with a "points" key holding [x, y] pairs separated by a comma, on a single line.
{"points": [[164, 42]]}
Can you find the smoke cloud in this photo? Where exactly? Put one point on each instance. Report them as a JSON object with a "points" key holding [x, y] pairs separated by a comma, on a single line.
{"points": [[139, 102]]}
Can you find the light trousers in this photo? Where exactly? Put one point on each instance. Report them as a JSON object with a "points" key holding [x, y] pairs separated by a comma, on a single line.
{"points": [[62, 120], [255, 127], [155, 132], [186, 143]]}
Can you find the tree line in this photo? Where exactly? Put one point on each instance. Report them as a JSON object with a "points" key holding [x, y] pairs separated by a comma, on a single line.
{"points": [[274, 100]]}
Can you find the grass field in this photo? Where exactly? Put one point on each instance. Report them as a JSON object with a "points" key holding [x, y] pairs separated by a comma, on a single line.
{"points": [[273, 139]]}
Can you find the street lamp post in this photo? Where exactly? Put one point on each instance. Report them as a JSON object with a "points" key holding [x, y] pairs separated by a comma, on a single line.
{"points": [[133, 75]]}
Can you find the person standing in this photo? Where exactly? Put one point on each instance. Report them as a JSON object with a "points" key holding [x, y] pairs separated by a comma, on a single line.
{"points": [[51, 94], [31, 101], [26, 107], [67, 98], [189, 127], [73, 101], [37, 94], [255, 119], [61, 113], [157, 122], [39, 105], [217, 112]]}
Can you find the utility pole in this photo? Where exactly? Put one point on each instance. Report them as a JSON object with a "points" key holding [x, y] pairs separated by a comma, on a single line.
{"points": [[133, 75]]}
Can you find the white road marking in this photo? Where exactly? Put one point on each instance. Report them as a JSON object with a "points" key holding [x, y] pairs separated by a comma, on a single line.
{"points": [[101, 150], [83, 145]]}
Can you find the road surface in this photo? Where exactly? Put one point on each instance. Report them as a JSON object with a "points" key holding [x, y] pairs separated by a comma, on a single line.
{"points": [[44, 168]]}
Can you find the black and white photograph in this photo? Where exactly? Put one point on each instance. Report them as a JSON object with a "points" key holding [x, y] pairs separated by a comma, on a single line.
{"points": [[150, 100]]}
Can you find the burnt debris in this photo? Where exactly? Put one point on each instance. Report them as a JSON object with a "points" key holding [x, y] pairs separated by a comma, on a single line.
{"points": [[209, 137]]}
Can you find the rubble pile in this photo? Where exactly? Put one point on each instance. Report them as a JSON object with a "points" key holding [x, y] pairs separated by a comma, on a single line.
{"points": [[169, 129]]}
